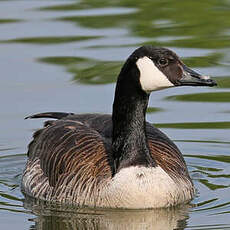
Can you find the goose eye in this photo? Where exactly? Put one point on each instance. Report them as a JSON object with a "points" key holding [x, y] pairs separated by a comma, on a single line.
{"points": [[163, 62]]}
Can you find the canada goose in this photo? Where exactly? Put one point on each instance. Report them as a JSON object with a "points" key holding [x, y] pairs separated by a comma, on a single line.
{"points": [[118, 161]]}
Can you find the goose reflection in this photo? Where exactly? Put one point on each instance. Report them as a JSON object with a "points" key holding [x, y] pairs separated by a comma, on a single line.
{"points": [[54, 217]]}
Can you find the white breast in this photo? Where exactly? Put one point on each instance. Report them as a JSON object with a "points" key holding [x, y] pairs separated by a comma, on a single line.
{"points": [[133, 187], [141, 187], [151, 78]]}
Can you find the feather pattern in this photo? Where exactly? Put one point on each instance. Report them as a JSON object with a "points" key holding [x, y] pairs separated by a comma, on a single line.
{"points": [[70, 160], [66, 152]]}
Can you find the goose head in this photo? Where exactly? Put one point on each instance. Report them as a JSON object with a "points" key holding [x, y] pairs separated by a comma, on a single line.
{"points": [[160, 68]]}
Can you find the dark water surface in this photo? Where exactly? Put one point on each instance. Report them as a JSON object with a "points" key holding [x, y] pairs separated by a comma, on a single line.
{"points": [[65, 56]]}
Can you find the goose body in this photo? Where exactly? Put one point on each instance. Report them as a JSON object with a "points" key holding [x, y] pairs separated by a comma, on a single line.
{"points": [[118, 160]]}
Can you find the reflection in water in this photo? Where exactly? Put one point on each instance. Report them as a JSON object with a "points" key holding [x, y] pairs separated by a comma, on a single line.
{"points": [[154, 110], [10, 20], [208, 60], [203, 97], [195, 125], [63, 218], [50, 40], [223, 82], [178, 18], [87, 71]]}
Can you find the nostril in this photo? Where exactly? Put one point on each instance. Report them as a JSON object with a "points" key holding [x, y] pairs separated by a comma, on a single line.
{"points": [[207, 78]]}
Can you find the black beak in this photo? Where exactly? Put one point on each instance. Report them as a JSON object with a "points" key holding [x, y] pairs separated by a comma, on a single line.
{"points": [[192, 78]]}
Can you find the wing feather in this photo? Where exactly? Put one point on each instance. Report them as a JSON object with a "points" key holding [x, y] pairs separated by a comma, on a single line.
{"points": [[166, 154], [71, 148]]}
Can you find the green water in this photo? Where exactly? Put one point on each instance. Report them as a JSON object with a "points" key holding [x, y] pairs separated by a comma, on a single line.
{"points": [[65, 56]]}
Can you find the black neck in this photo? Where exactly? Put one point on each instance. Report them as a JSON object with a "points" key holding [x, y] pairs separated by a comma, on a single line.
{"points": [[129, 136]]}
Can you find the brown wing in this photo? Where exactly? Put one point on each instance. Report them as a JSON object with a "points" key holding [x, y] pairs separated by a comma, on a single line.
{"points": [[67, 148], [165, 153]]}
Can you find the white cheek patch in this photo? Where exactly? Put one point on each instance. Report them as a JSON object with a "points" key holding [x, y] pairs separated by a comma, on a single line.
{"points": [[151, 78]]}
